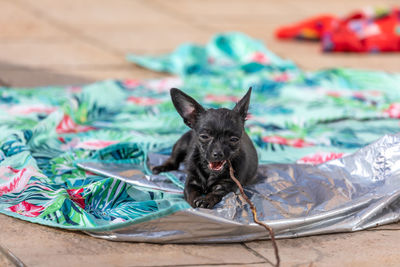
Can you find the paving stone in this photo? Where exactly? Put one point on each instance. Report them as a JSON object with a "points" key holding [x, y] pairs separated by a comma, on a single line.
{"points": [[5, 261], [32, 77], [339, 8], [387, 227], [146, 40], [21, 25], [288, 9], [72, 53], [39, 245], [139, 28], [95, 14], [244, 265], [365, 248], [227, 8], [326, 60]]}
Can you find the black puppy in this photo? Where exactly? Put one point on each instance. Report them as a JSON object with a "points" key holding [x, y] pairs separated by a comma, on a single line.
{"points": [[217, 136]]}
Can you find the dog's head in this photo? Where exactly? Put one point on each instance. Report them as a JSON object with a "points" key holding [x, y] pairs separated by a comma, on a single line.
{"points": [[218, 132]]}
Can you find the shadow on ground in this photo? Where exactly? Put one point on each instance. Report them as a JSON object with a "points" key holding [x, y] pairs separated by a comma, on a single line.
{"points": [[22, 76]]}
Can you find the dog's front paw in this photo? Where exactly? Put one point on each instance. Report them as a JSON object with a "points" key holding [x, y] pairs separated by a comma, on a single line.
{"points": [[207, 202], [158, 169], [166, 167]]}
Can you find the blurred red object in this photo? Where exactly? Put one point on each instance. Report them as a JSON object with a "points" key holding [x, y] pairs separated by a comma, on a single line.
{"points": [[369, 30]]}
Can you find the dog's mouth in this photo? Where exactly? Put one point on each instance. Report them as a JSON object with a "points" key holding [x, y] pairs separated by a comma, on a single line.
{"points": [[217, 165]]}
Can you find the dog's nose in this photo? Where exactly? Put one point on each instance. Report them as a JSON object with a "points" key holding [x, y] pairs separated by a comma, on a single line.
{"points": [[217, 155]]}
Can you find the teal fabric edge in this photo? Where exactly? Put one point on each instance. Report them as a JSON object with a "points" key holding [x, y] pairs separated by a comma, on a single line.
{"points": [[141, 156], [157, 62], [156, 215], [124, 145], [168, 175], [174, 180]]}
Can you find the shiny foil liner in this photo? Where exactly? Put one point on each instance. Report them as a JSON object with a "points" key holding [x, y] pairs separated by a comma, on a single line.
{"points": [[353, 193]]}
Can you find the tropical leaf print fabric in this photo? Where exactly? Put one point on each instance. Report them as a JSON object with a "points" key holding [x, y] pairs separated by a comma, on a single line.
{"points": [[295, 116], [46, 131]]}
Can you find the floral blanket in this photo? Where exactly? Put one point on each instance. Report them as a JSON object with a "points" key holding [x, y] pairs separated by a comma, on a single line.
{"points": [[296, 116]]}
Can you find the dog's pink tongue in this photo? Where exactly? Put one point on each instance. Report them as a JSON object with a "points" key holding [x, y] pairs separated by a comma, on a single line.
{"points": [[216, 165]]}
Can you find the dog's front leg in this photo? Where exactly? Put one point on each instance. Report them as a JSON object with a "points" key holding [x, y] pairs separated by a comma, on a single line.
{"points": [[215, 195], [193, 190], [178, 155]]}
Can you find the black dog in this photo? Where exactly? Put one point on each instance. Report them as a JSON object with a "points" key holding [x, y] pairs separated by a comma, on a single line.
{"points": [[217, 136]]}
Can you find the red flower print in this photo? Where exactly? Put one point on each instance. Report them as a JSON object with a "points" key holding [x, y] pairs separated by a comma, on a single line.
{"points": [[25, 109], [88, 173], [118, 220], [294, 142], [131, 83], [163, 85], [67, 125], [74, 89], [333, 94], [27, 209], [320, 157], [144, 101], [284, 77], [16, 179], [220, 98], [358, 95], [76, 196], [374, 93], [275, 140], [259, 57], [94, 144], [298, 142], [393, 111]]}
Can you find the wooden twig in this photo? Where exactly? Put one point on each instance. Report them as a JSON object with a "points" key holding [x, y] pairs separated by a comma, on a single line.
{"points": [[254, 211]]}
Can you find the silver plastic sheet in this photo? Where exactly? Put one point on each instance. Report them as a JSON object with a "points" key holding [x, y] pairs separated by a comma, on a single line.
{"points": [[355, 192]]}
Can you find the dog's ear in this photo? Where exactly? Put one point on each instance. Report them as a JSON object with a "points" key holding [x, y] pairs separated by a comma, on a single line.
{"points": [[186, 106], [243, 105]]}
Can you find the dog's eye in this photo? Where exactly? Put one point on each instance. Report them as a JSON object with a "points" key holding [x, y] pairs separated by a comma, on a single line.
{"points": [[234, 139], [204, 137]]}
